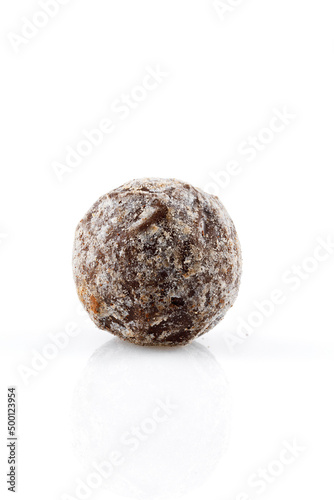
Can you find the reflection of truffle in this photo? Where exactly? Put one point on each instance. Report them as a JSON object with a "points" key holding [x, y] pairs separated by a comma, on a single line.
{"points": [[165, 414], [157, 262]]}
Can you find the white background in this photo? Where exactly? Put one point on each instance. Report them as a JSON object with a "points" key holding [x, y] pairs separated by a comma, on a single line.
{"points": [[226, 76]]}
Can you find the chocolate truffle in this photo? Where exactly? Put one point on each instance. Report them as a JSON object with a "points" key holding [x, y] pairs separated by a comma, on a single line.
{"points": [[157, 262]]}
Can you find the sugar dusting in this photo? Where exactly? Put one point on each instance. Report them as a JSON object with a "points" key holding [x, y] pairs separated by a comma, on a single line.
{"points": [[157, 262]]}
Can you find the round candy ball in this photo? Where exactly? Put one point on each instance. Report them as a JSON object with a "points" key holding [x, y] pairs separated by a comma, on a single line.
{"points": [[157, 262]]}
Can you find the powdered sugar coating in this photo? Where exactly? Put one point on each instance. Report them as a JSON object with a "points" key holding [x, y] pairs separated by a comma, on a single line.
{"points": [[157, 262]]}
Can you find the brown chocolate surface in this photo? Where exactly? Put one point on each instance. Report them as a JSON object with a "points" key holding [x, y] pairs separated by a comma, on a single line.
{"points": [[157, 262]]}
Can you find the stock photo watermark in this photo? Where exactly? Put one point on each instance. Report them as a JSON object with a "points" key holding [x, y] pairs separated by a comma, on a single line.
{"points": [[31, 28], [249, 149], [3, 237], [56, 343], [224, 8], [40, 359], [259, 481], [292, 278], [121, 108], [12, 438], [129, 442]]}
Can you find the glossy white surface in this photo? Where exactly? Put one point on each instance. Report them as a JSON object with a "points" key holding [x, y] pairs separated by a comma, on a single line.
{"points": [[253, 421]]}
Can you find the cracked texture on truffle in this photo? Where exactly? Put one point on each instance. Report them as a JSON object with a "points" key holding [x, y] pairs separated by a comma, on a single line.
{"points": [[157, 262]]}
